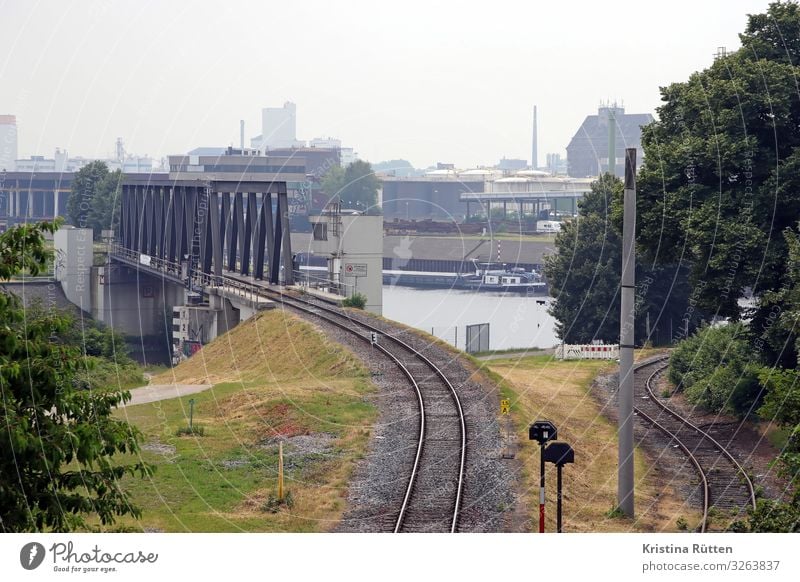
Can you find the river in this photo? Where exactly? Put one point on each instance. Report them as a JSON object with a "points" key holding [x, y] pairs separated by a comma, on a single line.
{"points": [[515, 321]]}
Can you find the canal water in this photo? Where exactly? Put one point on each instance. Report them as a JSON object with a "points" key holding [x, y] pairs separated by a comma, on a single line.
{"points": [[515, 320]]}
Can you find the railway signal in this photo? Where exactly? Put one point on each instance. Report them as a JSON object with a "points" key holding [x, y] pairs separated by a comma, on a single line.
{"points": [[559, 454], [373, 338], [542, 431]]}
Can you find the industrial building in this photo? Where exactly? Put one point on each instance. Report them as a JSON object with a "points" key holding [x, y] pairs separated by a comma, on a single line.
{"points": [[62, 162], [346, 155], [455, 196], [352, 244], [33, 196], [432, 196], [278, 128], [530, 192], [587, 152]]}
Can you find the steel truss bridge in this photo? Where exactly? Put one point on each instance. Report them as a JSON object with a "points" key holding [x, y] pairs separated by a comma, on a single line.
{"points": [[206, 228]]}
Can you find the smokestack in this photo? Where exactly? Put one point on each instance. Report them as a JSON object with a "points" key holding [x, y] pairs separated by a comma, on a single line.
{"points": [[241, 134], [535, 144]]}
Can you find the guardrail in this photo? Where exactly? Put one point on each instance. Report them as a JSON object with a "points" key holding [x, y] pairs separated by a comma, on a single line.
{"points": [[174, 269], [307, 280], [199, 280]]}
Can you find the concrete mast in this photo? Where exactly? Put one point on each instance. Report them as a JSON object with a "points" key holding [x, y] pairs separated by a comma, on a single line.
{"points": [[626, 339]]}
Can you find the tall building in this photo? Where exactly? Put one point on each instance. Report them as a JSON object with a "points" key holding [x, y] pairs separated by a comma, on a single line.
{"points": [[278, 128], [587, 152], [8, 142]]}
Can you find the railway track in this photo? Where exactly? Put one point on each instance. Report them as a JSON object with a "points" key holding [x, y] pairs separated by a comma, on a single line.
{"points": [[433, 496], [724, 483]]}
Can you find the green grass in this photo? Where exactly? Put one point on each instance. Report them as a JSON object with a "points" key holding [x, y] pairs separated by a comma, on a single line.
{"points": [[106, 374], [222, 481], [540, 386], [779, 437], [509, 351], [211, 483]]}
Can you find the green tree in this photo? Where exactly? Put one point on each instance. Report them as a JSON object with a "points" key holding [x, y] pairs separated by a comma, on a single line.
{"points": [[781, 406], [722, 169], [584, 277], [333, 182], [95, 198], [58, 439], [717, 369], [356, 186]]}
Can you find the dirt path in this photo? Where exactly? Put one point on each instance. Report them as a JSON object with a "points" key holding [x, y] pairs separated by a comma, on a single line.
{"points": [[156, 392]]}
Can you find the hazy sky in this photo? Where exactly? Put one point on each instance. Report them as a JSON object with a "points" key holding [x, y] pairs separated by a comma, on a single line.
{"points": [[426, 81]]}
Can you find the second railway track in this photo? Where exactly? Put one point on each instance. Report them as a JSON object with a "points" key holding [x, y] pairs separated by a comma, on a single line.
{"points": [[724, 483]]}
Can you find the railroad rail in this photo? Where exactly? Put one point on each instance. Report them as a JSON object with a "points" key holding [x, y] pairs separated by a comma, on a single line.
{"points": [[724, 482], [441, 416], [437, 451]]}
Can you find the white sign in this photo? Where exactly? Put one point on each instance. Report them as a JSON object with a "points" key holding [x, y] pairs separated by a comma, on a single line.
{"points": [[144, 260], [587, 352], [355, 269]]}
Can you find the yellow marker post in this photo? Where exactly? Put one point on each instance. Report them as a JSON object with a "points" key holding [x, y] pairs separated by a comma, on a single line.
{"points": [[505, 410], [280, 470]]}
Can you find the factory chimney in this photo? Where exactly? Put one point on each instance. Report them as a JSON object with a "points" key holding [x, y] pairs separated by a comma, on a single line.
{"points": [[241, 134]]}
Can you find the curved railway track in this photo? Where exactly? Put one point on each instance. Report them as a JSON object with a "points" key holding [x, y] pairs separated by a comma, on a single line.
{"points": [[723, 481], [428, 505]]}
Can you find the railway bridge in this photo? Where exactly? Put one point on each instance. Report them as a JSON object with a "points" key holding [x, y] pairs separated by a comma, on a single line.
{"points": [[187, 260]]}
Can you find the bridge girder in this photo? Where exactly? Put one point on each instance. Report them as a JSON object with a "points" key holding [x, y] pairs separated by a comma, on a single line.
{"points": [[213, 226]]}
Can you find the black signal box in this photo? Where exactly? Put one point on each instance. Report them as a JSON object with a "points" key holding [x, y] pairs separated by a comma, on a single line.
{"points": [[559, 454], [542, 431]]}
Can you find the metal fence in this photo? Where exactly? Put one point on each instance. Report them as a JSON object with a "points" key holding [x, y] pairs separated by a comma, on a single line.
{"points": [[477, 338]]}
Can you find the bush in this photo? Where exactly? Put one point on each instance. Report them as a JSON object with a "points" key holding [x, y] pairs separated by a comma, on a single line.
{"points": [[357, 300], [195, 430], [273, 504], [717, 370]]}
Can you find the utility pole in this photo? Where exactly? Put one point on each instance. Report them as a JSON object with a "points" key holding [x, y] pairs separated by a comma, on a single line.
{"points": [[626, 339]]}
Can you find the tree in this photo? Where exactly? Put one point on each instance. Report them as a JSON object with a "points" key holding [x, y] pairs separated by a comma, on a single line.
{"points": [[584, 277], [333, 182], [95, 198], [356, 186], [722, 169], [717, 370], [58, 438], [782, 406]]}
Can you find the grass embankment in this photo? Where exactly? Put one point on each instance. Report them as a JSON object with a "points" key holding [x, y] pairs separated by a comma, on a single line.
{"points": [[542, 387], [274, 379]]}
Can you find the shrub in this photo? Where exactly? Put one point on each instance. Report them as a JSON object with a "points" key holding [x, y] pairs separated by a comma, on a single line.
{"points": [[195, 430], [357, 300], [717, 370]]}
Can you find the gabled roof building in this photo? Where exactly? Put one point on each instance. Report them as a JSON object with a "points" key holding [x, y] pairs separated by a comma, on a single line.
{"points": [[587, 152]]}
